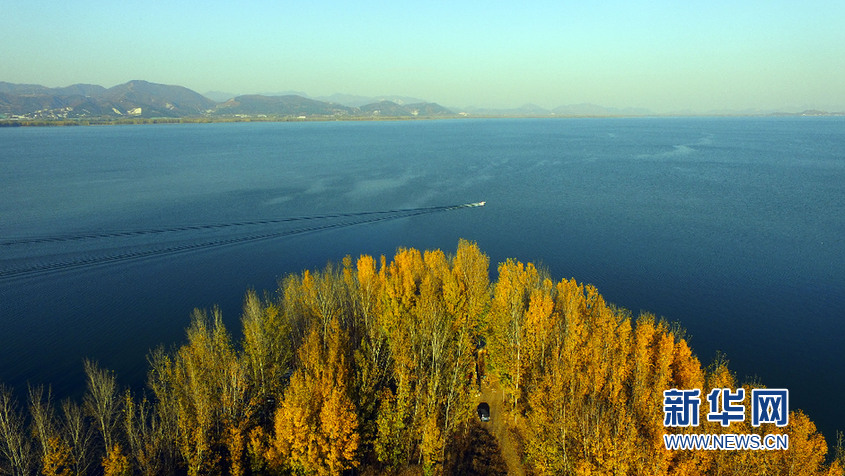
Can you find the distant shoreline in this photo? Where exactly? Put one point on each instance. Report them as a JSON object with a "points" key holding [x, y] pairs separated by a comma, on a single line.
{"points": [[108, 121]]}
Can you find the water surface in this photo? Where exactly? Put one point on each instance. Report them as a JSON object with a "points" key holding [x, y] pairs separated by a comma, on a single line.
{"points": [[733, 227]]}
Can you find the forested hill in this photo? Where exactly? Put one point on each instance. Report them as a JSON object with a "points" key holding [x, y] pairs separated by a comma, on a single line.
{"points": [[142, 99], [135, 98], [378, 365]]}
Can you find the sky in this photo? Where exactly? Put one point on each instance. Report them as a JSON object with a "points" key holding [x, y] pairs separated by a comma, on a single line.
{"points": [[666, 56]]}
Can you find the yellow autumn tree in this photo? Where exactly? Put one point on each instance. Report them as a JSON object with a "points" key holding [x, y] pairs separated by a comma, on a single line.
{"points": [[115, 463], [390, 427], [371, 354], [57, 460], [507, 313], [316, 424]]}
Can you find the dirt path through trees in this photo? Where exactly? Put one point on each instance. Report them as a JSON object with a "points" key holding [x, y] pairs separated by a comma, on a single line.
{"points": [[492, 393]]}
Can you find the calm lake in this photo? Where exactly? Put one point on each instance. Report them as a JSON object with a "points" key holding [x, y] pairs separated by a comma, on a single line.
{"points": [[734, 227]]}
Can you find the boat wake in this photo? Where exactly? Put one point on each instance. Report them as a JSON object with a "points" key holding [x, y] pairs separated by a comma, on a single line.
{"points": [[33, 255]]}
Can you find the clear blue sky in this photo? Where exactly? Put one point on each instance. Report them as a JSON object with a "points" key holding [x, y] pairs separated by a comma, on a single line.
{"points": [[662, 55]]}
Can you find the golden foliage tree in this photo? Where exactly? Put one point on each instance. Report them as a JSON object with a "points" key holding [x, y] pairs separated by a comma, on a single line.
{"points": [[115, 463], [316, 424], [57, 459], [511, 294]]}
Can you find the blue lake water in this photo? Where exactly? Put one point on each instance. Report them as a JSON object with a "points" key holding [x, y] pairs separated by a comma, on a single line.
{"points": [[731, 226]]}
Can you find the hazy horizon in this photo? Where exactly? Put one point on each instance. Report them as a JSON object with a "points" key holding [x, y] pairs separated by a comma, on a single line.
{"points": [[663, 56]]}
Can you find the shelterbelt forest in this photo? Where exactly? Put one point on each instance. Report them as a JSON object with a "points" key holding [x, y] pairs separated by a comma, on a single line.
{"points": [[377, 366]]}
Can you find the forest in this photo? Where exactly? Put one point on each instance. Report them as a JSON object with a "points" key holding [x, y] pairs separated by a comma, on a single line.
{"points": [[372, 366]]}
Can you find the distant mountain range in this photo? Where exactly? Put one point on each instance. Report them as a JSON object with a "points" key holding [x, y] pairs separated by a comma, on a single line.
{"points": [[293, 105], [135, 98], [142, 99], [350, 100], [149, 100]]}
